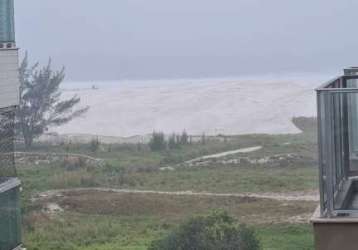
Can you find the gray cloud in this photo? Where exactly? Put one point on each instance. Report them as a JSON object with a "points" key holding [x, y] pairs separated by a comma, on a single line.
{"points": [[115, 39]]}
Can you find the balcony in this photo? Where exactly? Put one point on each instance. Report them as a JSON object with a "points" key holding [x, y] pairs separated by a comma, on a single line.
{"points": [[337, 103]]}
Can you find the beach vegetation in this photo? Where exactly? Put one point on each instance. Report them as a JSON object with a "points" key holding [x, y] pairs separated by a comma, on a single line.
{"points": [[41, 103], [215, 231]]}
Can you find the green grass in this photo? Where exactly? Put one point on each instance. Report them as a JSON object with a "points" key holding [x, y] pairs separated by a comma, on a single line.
{"points": [[219, 180], [286, 237], [83, 232], [76, 231], [228, 179], [104, 223], [133, 157], [130, 167]]}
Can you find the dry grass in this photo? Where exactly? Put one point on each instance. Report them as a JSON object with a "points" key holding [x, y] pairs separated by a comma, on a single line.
{"points": [[248, 210]]}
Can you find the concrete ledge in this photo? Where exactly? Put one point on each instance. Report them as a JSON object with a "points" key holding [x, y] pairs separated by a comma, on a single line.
{"points": [[335, 233]]}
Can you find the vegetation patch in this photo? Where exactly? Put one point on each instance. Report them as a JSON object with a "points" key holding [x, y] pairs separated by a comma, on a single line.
{"points": [[98, 220]]}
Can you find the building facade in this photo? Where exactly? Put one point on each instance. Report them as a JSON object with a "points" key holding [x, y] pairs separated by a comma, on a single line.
{"points": [[10, 214], [9, 81]]}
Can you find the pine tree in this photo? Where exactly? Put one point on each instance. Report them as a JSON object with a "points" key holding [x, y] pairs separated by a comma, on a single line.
{"points": [[41, 105], [184, 139], [157, 142], [172, 142]]}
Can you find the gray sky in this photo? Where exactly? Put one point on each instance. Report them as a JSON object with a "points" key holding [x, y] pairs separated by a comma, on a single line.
{"points": [[113, 39]]}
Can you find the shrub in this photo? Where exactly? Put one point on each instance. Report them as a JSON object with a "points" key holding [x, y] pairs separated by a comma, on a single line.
{"points": [[306, 124], [184, 138], [73, 163], [203, 139], [157, 142], [94, 145], [172, 142], [212, 232]]}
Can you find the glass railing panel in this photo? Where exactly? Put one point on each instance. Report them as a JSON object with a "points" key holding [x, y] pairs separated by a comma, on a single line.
{"points": [[10, 222], [323, 152], [338, 143], [7, 31]]}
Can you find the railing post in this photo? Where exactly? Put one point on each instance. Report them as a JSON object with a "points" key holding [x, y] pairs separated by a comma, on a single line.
{"points": [[330, 152]]}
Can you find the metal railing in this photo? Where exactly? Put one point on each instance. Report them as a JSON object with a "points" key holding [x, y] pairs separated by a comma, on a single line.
{"points": [[10, 214], [337, 103]]}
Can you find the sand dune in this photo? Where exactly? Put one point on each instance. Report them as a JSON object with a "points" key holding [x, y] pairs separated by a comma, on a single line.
{"points": [[211, 107]]}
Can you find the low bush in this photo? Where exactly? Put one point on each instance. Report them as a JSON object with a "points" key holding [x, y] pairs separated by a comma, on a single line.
{"points": [[212, 232]]}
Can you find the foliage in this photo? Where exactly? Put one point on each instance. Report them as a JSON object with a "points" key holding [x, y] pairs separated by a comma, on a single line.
{"points": [[158, 142], [41, 105], [172, 142], [216, 231], [94, 145], [120, 227], [184, 138], [306, 124], [203, 139]]}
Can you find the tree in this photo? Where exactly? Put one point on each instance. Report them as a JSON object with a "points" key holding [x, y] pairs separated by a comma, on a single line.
{"points": [[184, 139], [157, 142], [41, 105], [203, 139], [95, 144], [172, 142], [212, 232]]}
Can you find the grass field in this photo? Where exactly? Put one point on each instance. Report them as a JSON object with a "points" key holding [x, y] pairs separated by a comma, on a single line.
{"points": [[78, 231], [95, 220]]}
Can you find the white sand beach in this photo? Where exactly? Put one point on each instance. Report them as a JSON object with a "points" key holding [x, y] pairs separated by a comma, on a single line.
{"points": [[211, 107]]}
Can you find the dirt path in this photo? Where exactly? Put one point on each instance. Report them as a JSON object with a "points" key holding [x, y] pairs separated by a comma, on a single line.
{"points": [[291, 196], [223, 154], [53, 154]]}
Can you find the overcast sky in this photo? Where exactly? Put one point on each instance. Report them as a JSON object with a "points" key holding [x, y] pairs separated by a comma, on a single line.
{"points": [[116, 39]]}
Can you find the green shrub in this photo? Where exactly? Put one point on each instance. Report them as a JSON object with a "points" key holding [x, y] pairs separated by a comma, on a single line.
{"points": [[216, 231], [94, 145], [184, 138], [173, 142], [157, 142]]}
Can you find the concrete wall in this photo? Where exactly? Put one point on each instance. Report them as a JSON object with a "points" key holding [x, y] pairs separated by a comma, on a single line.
{"points": [[9, 78], [337, 233], [336, 236]]}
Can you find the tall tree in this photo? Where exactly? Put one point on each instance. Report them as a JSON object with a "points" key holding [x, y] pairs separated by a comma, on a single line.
{"points": [[41, 104]]}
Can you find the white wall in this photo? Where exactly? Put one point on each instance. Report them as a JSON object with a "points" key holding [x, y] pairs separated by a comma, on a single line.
{"points": [[9, 81]]}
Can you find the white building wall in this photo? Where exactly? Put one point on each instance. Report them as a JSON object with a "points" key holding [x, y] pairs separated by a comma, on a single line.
{"points": [[9, 78]]}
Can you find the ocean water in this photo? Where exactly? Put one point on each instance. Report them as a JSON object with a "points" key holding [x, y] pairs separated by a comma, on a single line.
{"points": [[125, 108], [304, 78]]}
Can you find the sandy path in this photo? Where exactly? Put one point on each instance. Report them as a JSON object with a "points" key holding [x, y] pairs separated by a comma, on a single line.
{"points": [[227, 153], [292, 196]]}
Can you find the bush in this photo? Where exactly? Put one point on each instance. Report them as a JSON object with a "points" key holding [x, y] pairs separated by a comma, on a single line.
{"points": [[157, 142], [94, 145], [216, 231], [184, 138], [173, 142], [71, 163]]}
